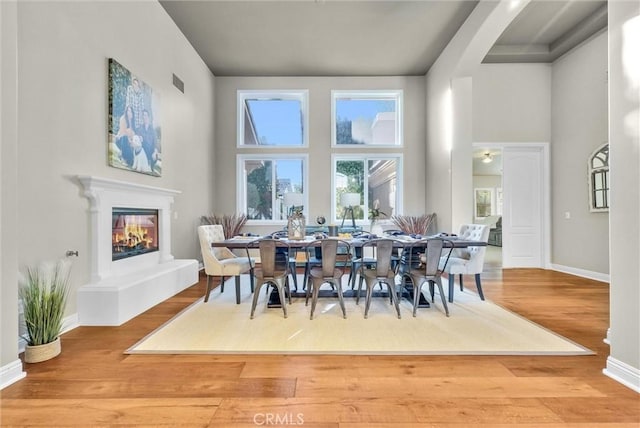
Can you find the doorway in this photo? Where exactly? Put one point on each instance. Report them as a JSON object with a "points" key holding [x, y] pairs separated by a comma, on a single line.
{"points": [[522, 200], [487, 200]]}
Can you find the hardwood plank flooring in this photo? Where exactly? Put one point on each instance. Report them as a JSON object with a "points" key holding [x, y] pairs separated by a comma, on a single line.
{"points": [[92, 383]]}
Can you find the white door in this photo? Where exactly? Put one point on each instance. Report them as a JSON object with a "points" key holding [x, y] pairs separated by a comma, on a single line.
{"points": [[523, 206]]}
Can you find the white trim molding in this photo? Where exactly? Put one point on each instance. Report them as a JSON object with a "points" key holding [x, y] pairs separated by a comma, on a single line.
{"points": [[11, 373], [624, 373], [596, 276]]}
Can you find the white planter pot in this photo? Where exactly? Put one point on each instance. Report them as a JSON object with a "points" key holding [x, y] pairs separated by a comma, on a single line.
{"points": [[39, 353]]}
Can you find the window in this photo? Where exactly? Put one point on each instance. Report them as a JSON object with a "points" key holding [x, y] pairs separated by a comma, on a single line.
{"points": [[484, 202], [599, 179], [264, 181], [272, 118], [366, 118], [376, 178]]}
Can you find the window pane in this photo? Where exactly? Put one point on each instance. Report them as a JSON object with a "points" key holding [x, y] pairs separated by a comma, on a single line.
{"points": [[597, 181], [349, 179], [259, 189], [378, 185], [289, 179], [599, 199], [382, 186], [268, 179], [272, 118], [367, 118], [274, 122]]}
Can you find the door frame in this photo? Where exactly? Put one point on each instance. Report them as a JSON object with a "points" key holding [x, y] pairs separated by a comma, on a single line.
{"points": [[545, 183]]}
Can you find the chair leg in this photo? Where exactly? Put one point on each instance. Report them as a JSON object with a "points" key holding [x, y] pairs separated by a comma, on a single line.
{"points": [[251, 278], [417, 289], [315, 285], [338, 286], [358, 291], [438, 281], [479, 286], [353, 274], [370, 285], [392, 292], [206, 296], [452, 283], [281, 288], [294, 274], [237, 289], [222, 279], [461, 286], [255, 298]]}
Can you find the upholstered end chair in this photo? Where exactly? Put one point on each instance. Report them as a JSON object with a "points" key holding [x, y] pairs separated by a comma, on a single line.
{"points": [[220, 261], [467, 261]]}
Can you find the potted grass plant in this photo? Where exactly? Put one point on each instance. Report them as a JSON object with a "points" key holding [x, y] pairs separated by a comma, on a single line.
{"points": [[44, 293], [231, 223]]}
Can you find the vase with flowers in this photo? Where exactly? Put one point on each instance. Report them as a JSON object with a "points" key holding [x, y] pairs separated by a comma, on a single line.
{"points": [[374, 214]]}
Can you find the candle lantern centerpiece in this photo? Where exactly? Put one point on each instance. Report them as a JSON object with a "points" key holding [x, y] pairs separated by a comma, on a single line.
{"points": [[296, 224]]}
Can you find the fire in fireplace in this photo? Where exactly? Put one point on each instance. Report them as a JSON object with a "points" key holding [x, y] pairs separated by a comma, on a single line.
{"points": [[134, 231]]}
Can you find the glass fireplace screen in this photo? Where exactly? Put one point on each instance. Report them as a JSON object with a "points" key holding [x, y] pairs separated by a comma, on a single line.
{"points": [[134, 231]]}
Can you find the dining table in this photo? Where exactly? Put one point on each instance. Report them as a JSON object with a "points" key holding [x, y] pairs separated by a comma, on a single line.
{"points": [[402, 241]]}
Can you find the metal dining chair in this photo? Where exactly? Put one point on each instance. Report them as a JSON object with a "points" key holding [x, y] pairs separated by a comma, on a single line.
{"points": [[272, 272], [381, 272], [429, 269], [334, 253]]}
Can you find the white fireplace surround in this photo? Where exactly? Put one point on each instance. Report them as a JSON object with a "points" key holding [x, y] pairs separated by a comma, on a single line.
{"points": [[119, 290]]}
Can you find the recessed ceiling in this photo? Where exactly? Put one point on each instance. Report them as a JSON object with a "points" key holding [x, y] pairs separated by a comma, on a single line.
{"points": [[365, 38]]}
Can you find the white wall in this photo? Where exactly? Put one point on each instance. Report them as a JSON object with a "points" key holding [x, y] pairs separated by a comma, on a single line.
{"points": [[10, 365], [512, 103], [450, 106], [320, 136], [623, 363], [63, 49], [579, 125]]}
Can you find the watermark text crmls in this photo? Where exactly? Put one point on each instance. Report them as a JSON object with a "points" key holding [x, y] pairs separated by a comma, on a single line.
{"points": [[266, 419]]}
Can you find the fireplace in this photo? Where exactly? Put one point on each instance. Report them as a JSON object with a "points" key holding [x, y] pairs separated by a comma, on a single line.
{"points": [[134, 231], [126, 220]]}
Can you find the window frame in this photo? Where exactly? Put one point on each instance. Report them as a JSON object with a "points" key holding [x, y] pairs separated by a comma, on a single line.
{"points": [[396, 94], [365, 158], [243, 95], [241, 180]]}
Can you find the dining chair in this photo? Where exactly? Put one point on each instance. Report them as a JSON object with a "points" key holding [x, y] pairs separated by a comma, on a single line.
{"points": [[428, 253], [220, 261], [467, 261], [290, 255], [272, 271], [359, 259], [334, 253], [379, 273]]}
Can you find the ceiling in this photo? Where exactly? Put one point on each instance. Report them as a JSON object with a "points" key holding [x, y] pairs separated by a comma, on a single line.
{"points": [[366, 38]]}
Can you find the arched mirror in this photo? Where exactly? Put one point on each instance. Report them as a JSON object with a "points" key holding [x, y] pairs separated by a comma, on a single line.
{"points": [[599, 179]]}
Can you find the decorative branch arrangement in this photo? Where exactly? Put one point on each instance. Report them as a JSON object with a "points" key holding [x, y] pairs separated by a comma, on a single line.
{"points": [[414, 225], [231, 223]]}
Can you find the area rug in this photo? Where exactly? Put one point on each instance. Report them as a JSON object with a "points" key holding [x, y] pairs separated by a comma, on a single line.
{"points": [[474, 327]]}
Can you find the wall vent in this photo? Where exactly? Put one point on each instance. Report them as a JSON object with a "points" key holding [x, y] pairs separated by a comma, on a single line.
{"points": [[178, 83]]}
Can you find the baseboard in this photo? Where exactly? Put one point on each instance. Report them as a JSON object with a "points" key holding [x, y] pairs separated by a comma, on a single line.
{"points": [[11, 373], [624, 373], [596, 276]]}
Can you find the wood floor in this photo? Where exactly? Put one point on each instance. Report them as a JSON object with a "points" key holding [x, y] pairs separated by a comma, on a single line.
{"points": [[92, 383]]}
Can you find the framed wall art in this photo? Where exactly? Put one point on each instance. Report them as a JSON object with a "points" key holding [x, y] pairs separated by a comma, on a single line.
{"points": [[134, 140]]}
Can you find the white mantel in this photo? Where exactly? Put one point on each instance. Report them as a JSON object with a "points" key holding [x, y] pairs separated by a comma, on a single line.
{"points": [[122, 289]]}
